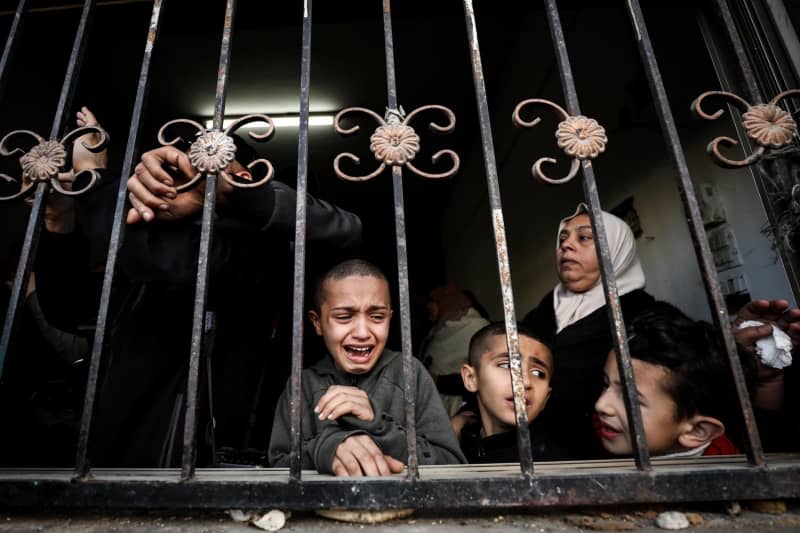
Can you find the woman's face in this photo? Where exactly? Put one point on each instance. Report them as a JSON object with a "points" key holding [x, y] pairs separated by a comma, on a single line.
{"points": [[578, 268]]}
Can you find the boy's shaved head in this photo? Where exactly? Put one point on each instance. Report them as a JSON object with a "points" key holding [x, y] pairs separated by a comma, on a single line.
{"points": [[351, 267], [479, 343]]}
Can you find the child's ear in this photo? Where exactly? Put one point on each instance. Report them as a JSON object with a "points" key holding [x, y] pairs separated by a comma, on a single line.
{"points": [[470, 378], [699, 430], [313, 316]]}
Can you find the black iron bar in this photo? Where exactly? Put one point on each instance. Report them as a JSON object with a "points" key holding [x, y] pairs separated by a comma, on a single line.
{"points": [[82, 463], [501, 246], [746, 70], [296, 400], [11, 42], [616, 322], [409, 388], [33, 231], [206, 233], [696, 229]]}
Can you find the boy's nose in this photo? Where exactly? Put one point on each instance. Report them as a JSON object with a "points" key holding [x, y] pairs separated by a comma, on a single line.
{"points": [[603, 405], [360, 329]]}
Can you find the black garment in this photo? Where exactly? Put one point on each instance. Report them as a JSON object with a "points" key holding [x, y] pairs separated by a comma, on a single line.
{"points": [[139, 408], [502, 447], [579, 355]]}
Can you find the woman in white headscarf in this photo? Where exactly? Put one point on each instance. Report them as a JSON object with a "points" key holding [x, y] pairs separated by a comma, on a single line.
{"points": [[574, 319]]}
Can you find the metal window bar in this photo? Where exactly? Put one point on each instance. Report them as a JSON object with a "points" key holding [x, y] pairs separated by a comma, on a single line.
{"points": [[206, 231], [755, 452], [298, 309], [503, 266], [616, 322], [11, 42], [602, 482], [82, 463], [35, 219]]}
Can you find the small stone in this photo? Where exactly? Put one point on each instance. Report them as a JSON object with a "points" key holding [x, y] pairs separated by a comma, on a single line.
{"points": [[271, 521], [733, 508], [672, 520], [695, 518], [239, 516], [768, 506]]}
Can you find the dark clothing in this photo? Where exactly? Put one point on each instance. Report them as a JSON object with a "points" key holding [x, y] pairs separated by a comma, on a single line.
{"points": [[579, 355], [139, 407], [502, 447], [436, 442]]}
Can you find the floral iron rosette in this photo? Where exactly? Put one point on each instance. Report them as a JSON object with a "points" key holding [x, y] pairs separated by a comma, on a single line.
{"points": [[46, 159], [213, 150], [581, 138], [395, 143], [768, 125]]}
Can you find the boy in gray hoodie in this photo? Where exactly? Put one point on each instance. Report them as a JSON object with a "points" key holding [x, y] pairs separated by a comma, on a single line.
{"points": [[353, 412]]}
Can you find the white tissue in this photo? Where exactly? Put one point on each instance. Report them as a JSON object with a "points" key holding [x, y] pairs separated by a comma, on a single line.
{"points": [[774, 351]]}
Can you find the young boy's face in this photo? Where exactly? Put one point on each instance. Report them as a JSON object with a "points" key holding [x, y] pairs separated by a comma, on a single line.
{"points": [[491, 380], [353, 321], [661, 426]]}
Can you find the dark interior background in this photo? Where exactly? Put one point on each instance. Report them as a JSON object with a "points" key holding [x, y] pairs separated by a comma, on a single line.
{"points": [[347, 69]]}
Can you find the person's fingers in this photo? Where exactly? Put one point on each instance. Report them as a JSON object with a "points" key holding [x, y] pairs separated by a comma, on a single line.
{"points": [[747, 337], [171, 156], [754, 309], [395, 466], [369, 456], [153, 183], [338, 468], [345, 405], [133, 216], [87, 116], [144, 212], [335, 395], [145, 196], [349, 461]]}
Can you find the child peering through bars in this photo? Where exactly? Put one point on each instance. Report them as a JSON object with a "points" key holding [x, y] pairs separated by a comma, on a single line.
{"points": [[493, 438], [684, 385], [353, 401], [575, 314], [138, 421]]}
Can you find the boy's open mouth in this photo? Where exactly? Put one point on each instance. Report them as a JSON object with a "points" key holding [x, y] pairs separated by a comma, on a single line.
{"points": [[510, 400], [358, 354]]}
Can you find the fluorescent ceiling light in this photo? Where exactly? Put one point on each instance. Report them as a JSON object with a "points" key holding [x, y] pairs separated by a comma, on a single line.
{"points": [[280, 121]]}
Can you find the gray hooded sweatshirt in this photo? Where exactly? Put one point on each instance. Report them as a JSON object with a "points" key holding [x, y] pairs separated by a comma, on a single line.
{"points": [[436, 442]]}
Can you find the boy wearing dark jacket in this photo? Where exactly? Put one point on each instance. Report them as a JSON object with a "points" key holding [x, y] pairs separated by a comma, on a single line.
{"points": [[493, 439], [353, 421]]}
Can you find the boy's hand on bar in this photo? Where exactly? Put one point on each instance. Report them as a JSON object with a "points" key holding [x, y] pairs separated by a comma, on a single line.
{"points": [[358, 455], [340, 400]]}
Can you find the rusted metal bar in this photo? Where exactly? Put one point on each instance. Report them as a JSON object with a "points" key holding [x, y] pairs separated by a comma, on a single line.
{"points": [[82, 463], [617, 324], [36, 216], [746, 70], [409, 387], [696, 229], [11, 42], [206, 235], [501, 246], [296, 400]]}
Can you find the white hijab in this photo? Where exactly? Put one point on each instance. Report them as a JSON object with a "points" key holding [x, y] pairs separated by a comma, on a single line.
{"points": [[573, 306]]}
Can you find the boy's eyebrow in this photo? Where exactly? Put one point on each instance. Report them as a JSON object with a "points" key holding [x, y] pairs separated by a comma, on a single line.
{"points": [[540, 362], [351, 308], [579, 228]]}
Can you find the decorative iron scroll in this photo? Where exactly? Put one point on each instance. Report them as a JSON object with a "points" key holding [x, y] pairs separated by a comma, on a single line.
{"points": [[46, 159], [768, 125], [395, 143], [213, 150], [580, 137]]}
